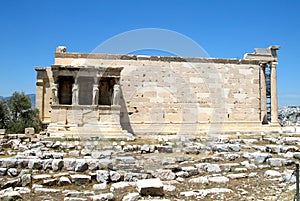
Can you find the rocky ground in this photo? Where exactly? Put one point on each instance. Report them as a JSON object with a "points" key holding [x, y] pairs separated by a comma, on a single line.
{"points": [[240, 167], [289, 116]]}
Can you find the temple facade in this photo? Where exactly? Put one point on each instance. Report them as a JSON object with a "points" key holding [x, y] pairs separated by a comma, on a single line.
{"points": [[107, 95]]}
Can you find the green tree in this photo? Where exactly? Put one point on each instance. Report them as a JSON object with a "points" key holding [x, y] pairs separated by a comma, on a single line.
{"points": [[21, 115], [3, 114]]}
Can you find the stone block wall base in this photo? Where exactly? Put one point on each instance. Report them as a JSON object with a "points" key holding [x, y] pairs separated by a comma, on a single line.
{"points": [[88, 131], [275, 124], [189, 129], [201, 128]]}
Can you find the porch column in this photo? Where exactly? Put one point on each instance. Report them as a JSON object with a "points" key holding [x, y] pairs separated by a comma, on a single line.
{"points": [[116, 95], [54, 90], [274, 98], [263, 95], [75, 92], [95, 94]]}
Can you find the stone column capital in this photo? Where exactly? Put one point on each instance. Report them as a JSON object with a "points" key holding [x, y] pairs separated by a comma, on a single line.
{"points": [[262, 64], [274, 64], [96, 80], [55, 79]]}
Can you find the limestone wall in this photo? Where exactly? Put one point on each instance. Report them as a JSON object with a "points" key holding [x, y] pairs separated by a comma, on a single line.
{"points": [[179, 96], [43, 93]]}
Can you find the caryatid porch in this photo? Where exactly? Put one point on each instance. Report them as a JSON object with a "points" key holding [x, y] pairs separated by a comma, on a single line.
{"points": [[86, 101]]}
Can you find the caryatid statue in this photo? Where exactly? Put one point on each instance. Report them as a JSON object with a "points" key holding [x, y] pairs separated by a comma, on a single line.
{"points": [[95, 94], [75, 94], [116, 95], [54, 90]]}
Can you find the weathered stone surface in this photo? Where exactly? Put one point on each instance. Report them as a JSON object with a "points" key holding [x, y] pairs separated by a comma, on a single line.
{"points": [[103, 197], [10, 183], [22, 190], [114, 176], [75, 199], [240, 170], [285, 149], [46, 155], [22, 163], [218, 179], [153, 187], [102, 154], [120, 185], [259, 148], [93, 164], [74, 153], [11, 196], [106, 164], [25, 179], [86, 152], [47, 164], [231, 156], [63, 181], [220, 147], [47, 143], [69, 164], [45, 190], [81, 165], [35, 164], [261, 157], [126, 159], [57, 164], [50, 182], [201, 180], [145, 148], [234, 147], [129, 177], [164, 174], [3, 171], [205, 192], [40, 177], [80, 178], [157, 199], [8, 162], [131, 197], [182, 174], [164, 149], [237, 176], [74, 193], [102, 176], [297, 155], [212, 168], [272, 173], [100, 186], [273, 148], [192, 171], [249, 166], [169, 188], [169, 163], [192, 149], [276, 162]]}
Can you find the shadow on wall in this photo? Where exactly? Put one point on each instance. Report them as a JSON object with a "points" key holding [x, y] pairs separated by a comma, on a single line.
{"points": [[124, 116]]}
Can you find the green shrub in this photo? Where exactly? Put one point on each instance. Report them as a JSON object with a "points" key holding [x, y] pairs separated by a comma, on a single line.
{"points": [[19, 115]]}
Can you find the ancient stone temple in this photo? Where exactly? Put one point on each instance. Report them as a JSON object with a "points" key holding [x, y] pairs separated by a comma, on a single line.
{"points": [[113, 95]]}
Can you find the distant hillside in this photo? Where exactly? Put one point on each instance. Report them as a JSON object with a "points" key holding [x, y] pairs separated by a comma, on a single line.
{"points": [[31, 96]]}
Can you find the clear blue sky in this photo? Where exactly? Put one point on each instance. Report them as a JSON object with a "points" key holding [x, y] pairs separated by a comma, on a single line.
{"points": [[31, 30]]}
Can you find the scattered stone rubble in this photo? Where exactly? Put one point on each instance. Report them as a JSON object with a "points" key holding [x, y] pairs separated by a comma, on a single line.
{"points": [[245, 168], [289, 116]]}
